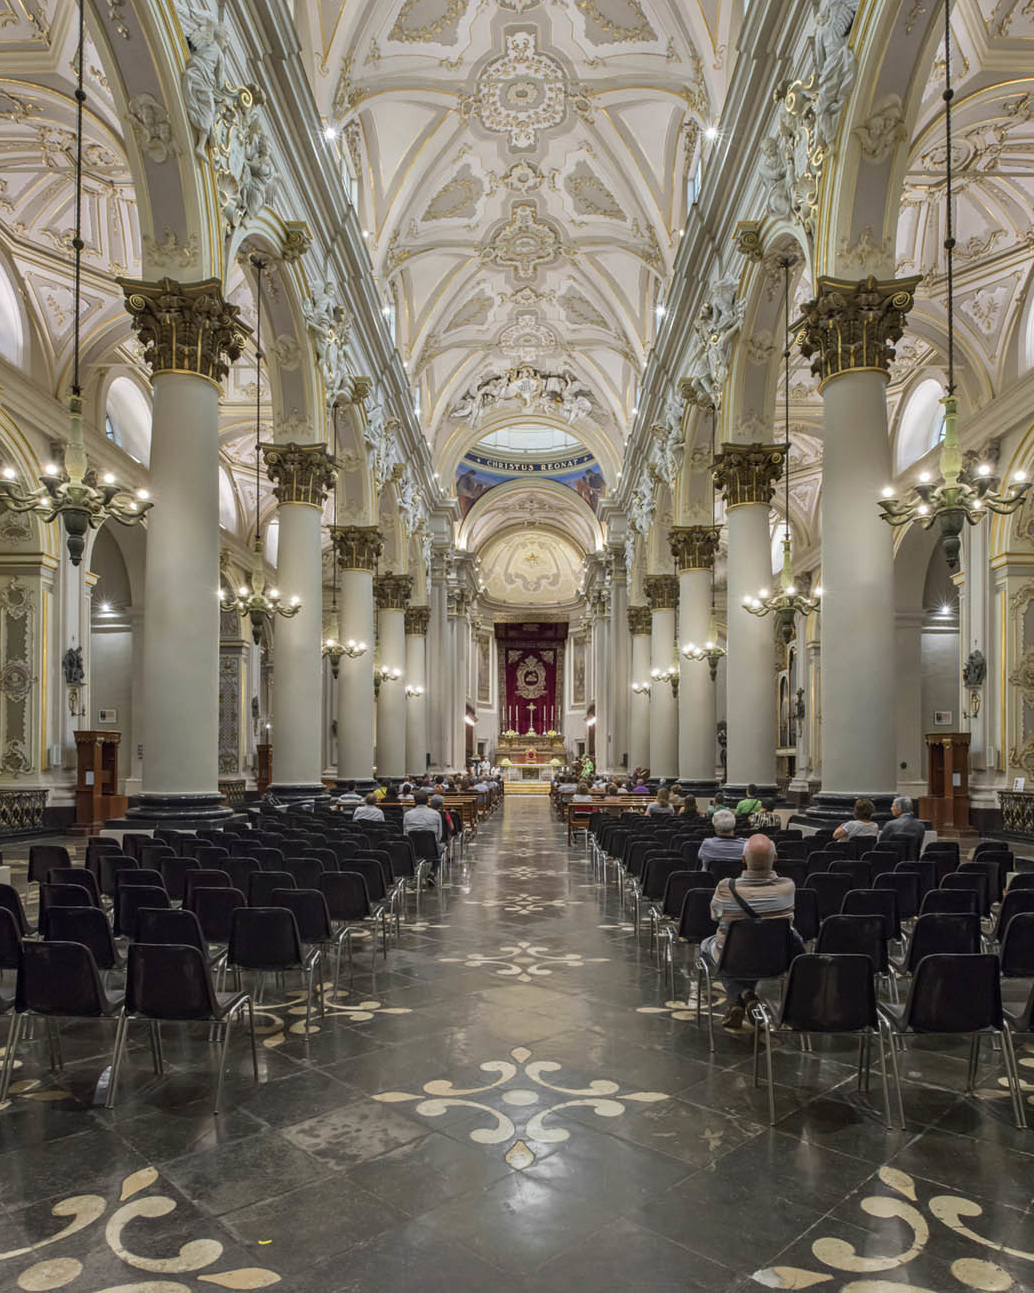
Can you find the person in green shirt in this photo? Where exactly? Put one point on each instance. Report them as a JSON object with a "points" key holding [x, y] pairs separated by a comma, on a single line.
{"points": [[752, 804]]}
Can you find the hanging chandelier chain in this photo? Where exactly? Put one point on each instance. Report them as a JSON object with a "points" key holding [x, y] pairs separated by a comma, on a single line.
{"points": [[949, 226], [77, 240], [260, 265], [786, 385]]}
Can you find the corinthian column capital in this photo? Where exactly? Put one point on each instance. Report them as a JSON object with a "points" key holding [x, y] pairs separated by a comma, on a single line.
{"points": [[301, 473], [357, 546], [392, 592], [417, 620], [852, 327], [694, 546], [640, 621], [747, 473], [662, 592], [185, 327]]}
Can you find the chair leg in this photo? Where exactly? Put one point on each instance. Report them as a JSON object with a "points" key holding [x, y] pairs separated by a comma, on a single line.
{"points": [[251, 1030], [974, 1060], [14, 1032], [222, 1062], [894, 1071], [121, 1030], [768, 1064], [883, 1078], [156, 1046], [52, 1042], [1013, 1075]]}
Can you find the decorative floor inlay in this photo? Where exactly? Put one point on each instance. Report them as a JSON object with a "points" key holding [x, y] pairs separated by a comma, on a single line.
{"points": [[275, 1032], [902, 1205], [523, 961], [684, 1009], [602, 1095], [524, 904], [81, 1211]]}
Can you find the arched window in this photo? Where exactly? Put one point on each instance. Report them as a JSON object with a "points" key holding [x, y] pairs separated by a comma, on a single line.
{"points": [[11, 335], [922, 423], [127, 419]]}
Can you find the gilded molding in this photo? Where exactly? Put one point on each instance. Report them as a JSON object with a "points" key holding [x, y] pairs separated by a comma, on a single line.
{"points": [[357, 546], [747, 473], [746, 239], [418, 618], [694, 546], [301, 473], [852, 326], [640, 621], [392, 592], [662, 592], [185, 327], [296, 241]]}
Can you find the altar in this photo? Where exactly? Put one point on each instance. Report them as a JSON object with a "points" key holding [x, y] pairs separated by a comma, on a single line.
{"points": [[530, 757]]}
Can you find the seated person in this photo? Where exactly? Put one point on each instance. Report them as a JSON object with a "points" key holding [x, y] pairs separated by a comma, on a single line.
{"points": [[689, 807], [768, 895], [662, 806], [425, 817], [611, 789], [368, 810], [766, 817], [391, 793], [750, 803], [904, 825], [581, 794], [640, 787], [351, 796], [860, 824], [716, 804], [724, 845]]}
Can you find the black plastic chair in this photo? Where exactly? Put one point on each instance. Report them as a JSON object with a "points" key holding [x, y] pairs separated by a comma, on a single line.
{"points": [[753, 950], [1015, 903], [925, 873], [306, 871], [11, 946], [265, 940], [795, 869], [833, 994], [214, 910], [651, 891], [959, 994], [312, 916], [153, 851], [875, 902], [61, 895], [859, 871], [57, 981], [210, 857], [725, 869], [174, 927], [152, 879], [832, 888], [89, 926], [905, 888], [806, 913], [130, 899], [76, 875], [172, 984], [348, 903], [204, 878], [261, 885], [10, 900], [947, 901], [240, 868], [1017, 948], [940, 933], [43, 858], [988, 866], [380, 904], [1022, 880], [173, 870], [880, 861], [695, 923], [974, 881], [133, 842]]}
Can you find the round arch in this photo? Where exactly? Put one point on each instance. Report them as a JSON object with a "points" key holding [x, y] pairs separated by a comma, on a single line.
{"points": [[495, 511]]}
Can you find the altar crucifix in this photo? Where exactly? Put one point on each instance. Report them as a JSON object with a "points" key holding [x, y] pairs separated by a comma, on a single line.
{"points": [[531, 721]]}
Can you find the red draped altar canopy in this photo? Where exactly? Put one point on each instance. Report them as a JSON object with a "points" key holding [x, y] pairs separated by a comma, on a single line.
{"points": [[531, 676]]}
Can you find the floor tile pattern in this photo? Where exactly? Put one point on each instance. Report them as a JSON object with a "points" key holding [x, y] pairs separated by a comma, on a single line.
{"points": [[513, 1101]]}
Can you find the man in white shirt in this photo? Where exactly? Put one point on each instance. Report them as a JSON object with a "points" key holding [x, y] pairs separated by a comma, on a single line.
{"points": [[368, 811], [423, 818], [351, 797]]}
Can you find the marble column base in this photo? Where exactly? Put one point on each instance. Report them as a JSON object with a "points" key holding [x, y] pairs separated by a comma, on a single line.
{"points": [[833, 808], [734, 792], [178, 812], [363, 786], [315, 790], [701, 789]]}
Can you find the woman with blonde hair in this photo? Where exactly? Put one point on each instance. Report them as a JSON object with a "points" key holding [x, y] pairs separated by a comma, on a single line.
{"points": [[662, 806]]}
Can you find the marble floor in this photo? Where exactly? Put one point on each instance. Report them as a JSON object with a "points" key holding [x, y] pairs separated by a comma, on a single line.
{"points": [[511, 1104]]}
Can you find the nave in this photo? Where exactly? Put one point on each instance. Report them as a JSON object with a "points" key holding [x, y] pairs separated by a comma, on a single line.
{"points": [[509, 1102]]}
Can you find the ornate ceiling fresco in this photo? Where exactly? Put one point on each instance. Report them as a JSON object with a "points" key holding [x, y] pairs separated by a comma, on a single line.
{"points": [[522, 171], [532, 566]]}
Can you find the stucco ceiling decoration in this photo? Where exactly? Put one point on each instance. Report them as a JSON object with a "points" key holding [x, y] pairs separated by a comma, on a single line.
{"points": [[539, 565], [521, 93], [528, 339], [525, 244], [424, 21], [556, 393], [457, 199]]}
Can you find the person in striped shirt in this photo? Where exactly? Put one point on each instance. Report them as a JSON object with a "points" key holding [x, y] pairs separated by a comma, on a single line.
{"points": [[770, 895]]}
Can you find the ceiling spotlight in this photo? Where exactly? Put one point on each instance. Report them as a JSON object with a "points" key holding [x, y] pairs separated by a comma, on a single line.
{"points": [[711, 134], [329, 133]]}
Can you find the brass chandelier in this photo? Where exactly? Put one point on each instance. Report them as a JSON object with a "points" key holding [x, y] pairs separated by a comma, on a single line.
{"points": [[72, 495], [254, 603], [787, 603], [964, 495]]}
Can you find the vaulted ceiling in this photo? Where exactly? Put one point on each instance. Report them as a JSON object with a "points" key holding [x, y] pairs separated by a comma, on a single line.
{"points": [[521, 173]]}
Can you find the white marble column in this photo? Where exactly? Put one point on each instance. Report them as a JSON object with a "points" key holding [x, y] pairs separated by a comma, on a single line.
{"points": [[357, 548], [640, 627], [458, 671], [301, 474], [189, 333], [662, 592], [438, 666], [392, 593], [417, 620], [694, 548], [619, 680], [746, 474], [849, 333]]}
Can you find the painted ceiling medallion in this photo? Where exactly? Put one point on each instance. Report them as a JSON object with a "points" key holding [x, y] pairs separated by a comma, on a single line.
{"points": [[524, 244], [521, 93]]}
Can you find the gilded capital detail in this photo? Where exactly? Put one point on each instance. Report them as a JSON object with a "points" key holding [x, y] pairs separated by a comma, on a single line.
{"points": [[357, 546], [747, 473], [185, 327], [694, 546], [301, 473], [852, 327], [640, 621], [417, 620], [392, 592], [662, 592]]}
